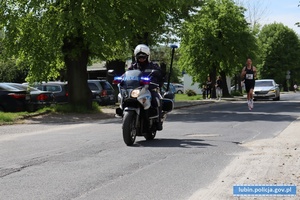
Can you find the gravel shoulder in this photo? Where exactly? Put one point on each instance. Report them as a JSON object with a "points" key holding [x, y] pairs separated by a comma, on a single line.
{"points": [[268, 161]]}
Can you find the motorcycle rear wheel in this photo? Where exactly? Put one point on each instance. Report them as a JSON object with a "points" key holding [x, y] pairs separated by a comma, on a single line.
{"points": [[129, 129]]}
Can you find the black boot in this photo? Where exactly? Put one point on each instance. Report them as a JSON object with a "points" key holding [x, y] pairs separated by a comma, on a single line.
{"points": [[159, 123], [159, 126], [119, 112]]}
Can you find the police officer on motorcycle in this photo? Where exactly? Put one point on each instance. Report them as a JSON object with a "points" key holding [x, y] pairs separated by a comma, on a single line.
{"points": [[143, 63]]}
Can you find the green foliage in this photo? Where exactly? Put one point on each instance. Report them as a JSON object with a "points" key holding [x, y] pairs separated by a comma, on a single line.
{"points": [[216, 39], [190, 92], [36, 31], [162, 54], [7, 117], [68, 108], [10, 117], [10, 72], [184, 97], [236, 93], [176, 74], [280, 52], [48, 37]]}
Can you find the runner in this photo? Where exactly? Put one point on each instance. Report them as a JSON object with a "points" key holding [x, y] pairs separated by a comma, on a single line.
{"points": [[219, 88], [249, 75]]}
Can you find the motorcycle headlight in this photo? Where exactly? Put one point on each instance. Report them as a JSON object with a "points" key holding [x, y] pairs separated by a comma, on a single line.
{"points": [[135, 93]]}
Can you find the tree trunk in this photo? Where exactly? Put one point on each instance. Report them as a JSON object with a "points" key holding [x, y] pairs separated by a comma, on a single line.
{"points": [[142, 38], [239, 79], [236, 82], [213, 76], [76, 56], [225, 88], [119, 69]]}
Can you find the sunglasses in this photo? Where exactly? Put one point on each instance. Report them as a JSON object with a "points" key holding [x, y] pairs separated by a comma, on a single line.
{"points": [[141, 57]]}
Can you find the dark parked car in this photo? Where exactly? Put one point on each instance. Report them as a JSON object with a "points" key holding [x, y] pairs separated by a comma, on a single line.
{"points": [[59, 89], [38, 98], [103, 92], [13, 99]]}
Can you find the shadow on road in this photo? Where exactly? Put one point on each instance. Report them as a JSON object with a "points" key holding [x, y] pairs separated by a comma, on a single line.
{"points": [[263, 111], [183, 143]]}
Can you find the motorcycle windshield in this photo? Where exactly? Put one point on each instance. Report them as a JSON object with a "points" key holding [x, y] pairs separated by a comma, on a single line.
{"points": [[131, 79]]}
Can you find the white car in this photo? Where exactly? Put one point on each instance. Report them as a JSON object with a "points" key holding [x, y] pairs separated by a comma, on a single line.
{"points": [[179, 88], [266, 89]]}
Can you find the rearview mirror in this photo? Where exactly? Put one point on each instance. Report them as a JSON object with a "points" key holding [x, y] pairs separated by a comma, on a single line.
{"points": [[111, 72]]}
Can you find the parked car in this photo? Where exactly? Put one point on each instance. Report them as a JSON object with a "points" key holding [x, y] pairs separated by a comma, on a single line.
{"points": [[266, 89], [13, 99], [59, 90], [179, 88], [38, 98], [236, 87], [103, 92], [172, 90]]}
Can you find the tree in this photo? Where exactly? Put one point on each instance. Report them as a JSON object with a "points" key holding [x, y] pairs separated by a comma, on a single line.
{"points": [[280, 52], [298, 23], [50, 35], [216, 40], [162, 55], [160, 21], [10, 72], [255, 11]]}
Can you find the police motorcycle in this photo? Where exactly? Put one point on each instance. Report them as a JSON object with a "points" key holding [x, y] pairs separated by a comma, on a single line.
{"points": [[139, 118]]}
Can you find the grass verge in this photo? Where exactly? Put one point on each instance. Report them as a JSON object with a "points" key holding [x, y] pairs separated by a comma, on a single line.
{"points": [[185, 97], [11, 117], [67, 108]]}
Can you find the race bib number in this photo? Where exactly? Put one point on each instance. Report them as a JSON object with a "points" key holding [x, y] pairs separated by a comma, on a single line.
{"points": [[249, 76]]}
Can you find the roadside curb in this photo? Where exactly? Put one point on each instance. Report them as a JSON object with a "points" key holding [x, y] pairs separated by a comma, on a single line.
{"points": [[107, 113], [184, 104]]}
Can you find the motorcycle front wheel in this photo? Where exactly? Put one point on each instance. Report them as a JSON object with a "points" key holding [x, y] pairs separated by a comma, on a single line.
{"points": [[150, 135], [129, 127]]}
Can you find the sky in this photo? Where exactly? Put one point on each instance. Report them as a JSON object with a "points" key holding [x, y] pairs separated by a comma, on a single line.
{"points": [[280, 11]]}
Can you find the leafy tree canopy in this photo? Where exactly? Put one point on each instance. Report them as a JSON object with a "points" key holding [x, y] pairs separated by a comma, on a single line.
{"points": [[10, 72], [37, 30], [49, 35], [163, 55], [216, 39], [279, 51]]}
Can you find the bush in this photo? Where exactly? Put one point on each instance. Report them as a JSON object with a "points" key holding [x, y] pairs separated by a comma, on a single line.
{"points": [[236, 93], [9, 72], [190, 93], [68, 108]]}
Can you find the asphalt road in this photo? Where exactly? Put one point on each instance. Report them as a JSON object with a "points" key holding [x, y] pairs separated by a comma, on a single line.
{"points": [[90, 160]]}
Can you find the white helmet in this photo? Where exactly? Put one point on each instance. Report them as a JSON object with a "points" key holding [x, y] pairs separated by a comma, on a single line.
{"points": [[142, 49]]}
